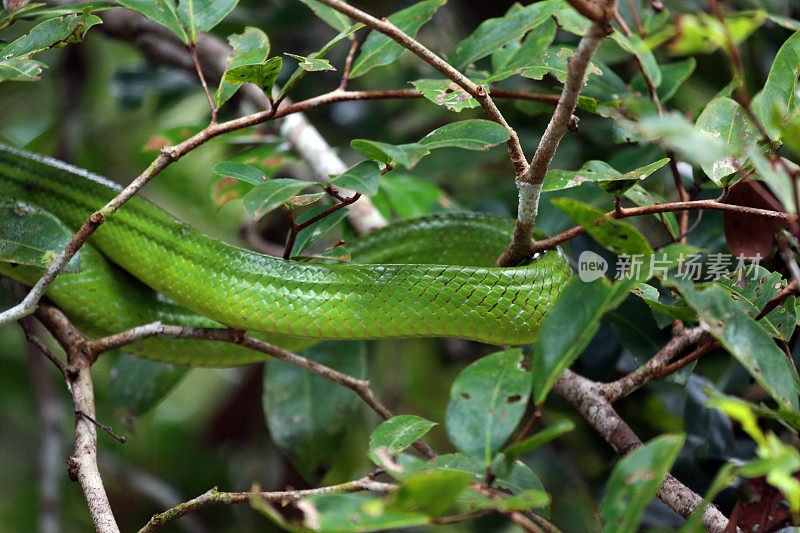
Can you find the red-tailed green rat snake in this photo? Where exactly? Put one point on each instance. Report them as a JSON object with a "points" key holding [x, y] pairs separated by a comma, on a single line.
{"points": [[429, 277]]}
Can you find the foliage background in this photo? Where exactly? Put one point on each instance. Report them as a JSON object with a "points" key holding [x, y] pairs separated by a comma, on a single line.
{"points": [[100, 103]]}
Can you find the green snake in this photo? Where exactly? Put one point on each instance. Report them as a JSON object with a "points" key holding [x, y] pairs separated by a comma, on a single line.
{"points": [[163, 270]]}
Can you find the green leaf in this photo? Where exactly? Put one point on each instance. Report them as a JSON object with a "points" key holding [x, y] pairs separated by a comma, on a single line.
{"points": [[312, 64], [242, 172], [522, 501], [539, 439], [270, 195], [379, 49], [202, 15], [672, 77], [335, 19], [553, 61], [267, 158], [520, 480], [353, 513], [52, 33], [163, 12], [138, 385], [262, 74], [779, 184], [651, 297], [515, 56], [430, 492], [634, 481], [578, 311], [703, 33], [615, 235], [494, 33], [725, 120], [411, 197], [779, 100], [572, 21], [41, 10], [754, 286], [21, 70], [640, 196], [407, 155], [396, 434], [447, 93], [29, 236], [677, 133], [487, 401], [299, 73], [249, 47], [746, 341], [362, 177], [305, 199], [598, 171], [308, 236], [635, 46], [308, 415], [474, 134]]}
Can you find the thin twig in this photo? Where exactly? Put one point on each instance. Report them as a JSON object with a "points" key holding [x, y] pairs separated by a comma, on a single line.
{"points": [[28, 328], [479, 92], [107, 429], [653, 368], [637, 19], [663, 208], [215, 497], [193, 51], [347, 64], [157, 329], [297, 228], [594, 11]]}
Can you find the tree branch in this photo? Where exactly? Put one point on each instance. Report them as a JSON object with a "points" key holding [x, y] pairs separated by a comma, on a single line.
{"points": [[157, 329], [530, 183], [161, 46], [479, 92], [652, 369], [215, 497], [663, 208], [586, 397]]}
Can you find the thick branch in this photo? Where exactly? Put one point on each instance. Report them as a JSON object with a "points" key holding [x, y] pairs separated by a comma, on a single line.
{"points": [[83, 463], [586, 397]]}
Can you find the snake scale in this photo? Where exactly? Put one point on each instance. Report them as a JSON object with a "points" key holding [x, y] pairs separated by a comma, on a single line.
{"points": [[434, 279]]}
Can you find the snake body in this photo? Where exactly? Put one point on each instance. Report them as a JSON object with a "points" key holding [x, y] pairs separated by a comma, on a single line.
{"points": [[210, 283]]}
